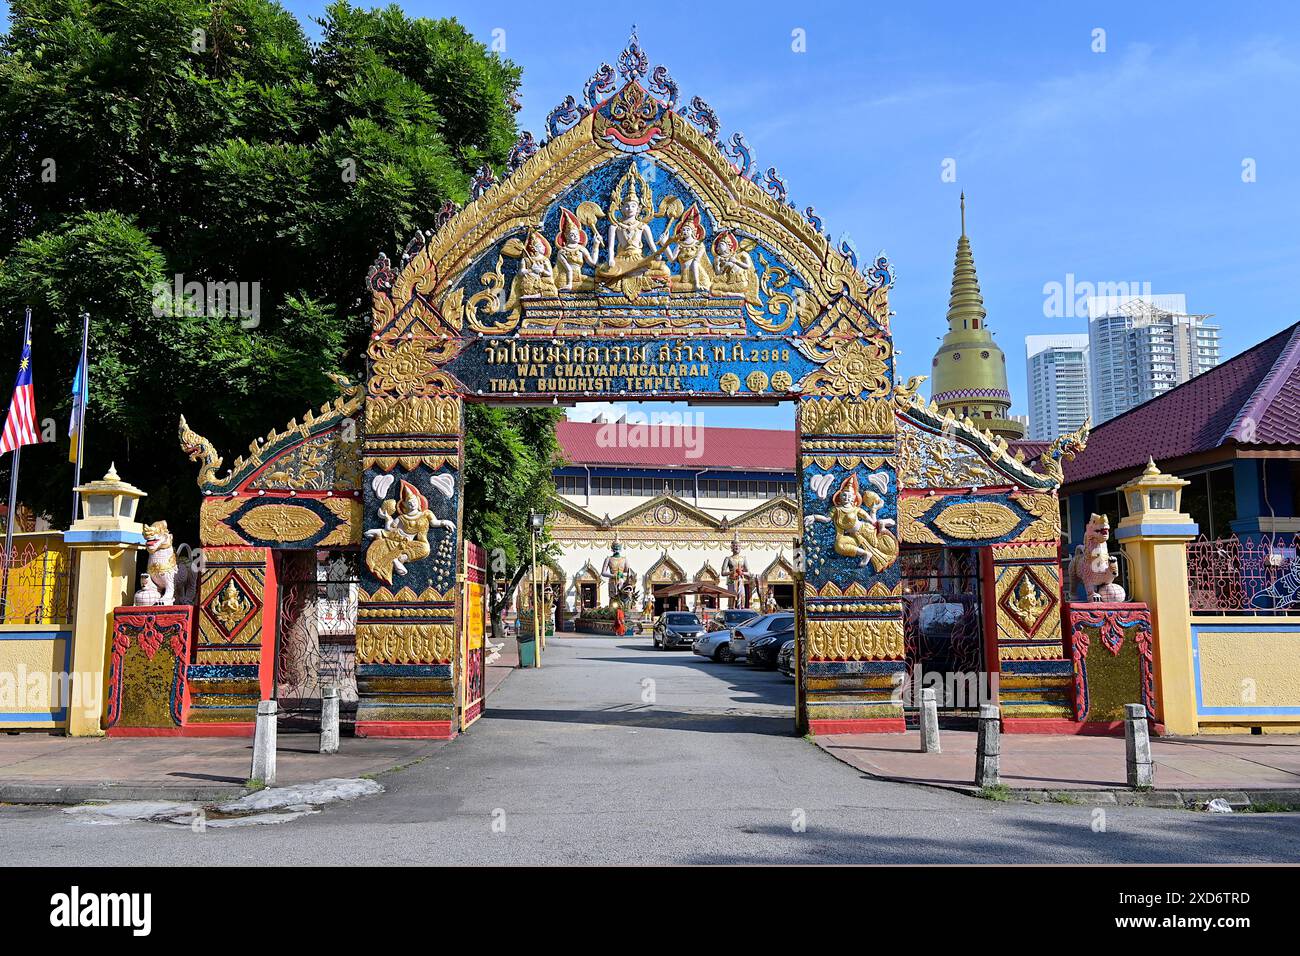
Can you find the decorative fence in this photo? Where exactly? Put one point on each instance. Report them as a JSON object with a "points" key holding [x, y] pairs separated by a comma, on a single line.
{"points": [[1250, 574], [36, 580]]}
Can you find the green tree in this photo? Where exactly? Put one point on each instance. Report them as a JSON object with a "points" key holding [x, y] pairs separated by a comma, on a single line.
{"points": [[209, 139], [511, 454]]}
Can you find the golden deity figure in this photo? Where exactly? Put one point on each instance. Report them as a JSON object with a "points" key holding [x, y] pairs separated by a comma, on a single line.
{"points": [[230, 607], [1028, 601], [634, 259], [690, 255], [733, 270], [536, 277], [405, 534], [572, 254], [860, 531]]}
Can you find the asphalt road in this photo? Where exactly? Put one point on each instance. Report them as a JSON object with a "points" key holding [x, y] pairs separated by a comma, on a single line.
{"points": [[572, 765]]}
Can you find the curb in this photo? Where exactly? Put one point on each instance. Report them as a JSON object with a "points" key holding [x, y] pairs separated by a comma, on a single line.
{"points": [[1257, 800], [40, 793]]}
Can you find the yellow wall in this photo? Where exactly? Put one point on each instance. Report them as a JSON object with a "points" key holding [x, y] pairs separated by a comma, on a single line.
{"points": [[1247, 670], [38, 591], [30, 656]]}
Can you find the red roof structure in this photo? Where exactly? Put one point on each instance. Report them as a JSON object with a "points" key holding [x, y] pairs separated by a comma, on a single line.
{"points": [[1251, 399], [622, 445]]}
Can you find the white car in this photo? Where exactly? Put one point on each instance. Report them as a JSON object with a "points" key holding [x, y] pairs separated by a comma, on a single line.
{"points": [[713, 645], [740, 636]]}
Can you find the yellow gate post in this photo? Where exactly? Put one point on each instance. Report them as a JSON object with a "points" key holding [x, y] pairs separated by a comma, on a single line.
{"points": [[104, 540], [1154, 537]]}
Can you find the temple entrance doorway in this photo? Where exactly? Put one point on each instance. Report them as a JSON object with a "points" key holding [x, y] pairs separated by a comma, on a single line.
{"points": [[782, 595], [316, 635], [943, 630]]}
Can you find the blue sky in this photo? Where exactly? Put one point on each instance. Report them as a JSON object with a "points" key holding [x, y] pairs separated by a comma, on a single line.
{"points": [[1124, 165]]}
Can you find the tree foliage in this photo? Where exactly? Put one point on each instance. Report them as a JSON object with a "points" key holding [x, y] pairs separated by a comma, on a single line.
{"points": [[151, 139]]}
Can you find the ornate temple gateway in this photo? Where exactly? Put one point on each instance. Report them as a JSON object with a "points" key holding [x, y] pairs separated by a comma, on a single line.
{"points": [[629, 254]]}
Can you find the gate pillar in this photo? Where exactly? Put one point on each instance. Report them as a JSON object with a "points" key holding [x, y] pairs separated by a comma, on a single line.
{"points": [[234, 651], [406, 613], [853, 662]]}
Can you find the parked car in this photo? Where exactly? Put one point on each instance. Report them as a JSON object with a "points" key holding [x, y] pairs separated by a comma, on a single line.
{"points": [[677, 628], [764, 648], [785, 659], [726, 620], [757, 627], [715, 645]]}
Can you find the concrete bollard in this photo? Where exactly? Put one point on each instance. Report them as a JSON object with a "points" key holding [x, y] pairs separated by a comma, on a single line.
{"points": [[329, 720], [929, 721], [1137, 747], [988, 746], [264, 743]]}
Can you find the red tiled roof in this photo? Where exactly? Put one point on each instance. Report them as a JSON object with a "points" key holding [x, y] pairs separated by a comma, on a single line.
{"points": [[666, 446], [1254, 397]]}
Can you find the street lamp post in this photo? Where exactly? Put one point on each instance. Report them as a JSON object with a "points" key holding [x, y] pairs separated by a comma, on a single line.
{"points": [[536, 523]]}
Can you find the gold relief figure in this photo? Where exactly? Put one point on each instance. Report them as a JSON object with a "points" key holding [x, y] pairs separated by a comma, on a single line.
{"points": [[733, 271], [572, 254], [1028, 601], [405, 534], [690, 255], [634, 259], [859, 531], [536, 277], [231, 606]]}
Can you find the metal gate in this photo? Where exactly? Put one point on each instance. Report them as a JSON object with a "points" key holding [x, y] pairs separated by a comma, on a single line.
{"points": [[316, 634], [943, 626]]}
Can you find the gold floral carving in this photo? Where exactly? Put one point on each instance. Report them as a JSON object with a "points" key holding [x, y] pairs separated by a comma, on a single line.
{"points": [[846, 416], [407, 367], [973, 520], [404, 643], [285, 523], [413, 416], [1046, 510], [1031, 652], [213, 527], [853, 367], [855, 640], [349, 512]]}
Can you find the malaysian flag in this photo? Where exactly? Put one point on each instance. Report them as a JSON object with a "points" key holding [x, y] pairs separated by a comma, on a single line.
{"points": [[20, 426]]}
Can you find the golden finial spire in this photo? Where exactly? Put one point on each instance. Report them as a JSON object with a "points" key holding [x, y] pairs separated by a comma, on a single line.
{"points": [[963, 212]]}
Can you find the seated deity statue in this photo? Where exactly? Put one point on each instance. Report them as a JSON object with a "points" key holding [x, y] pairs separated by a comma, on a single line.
{"points": [[690, 254], [572, 254], [733, 271], [634, 260]]}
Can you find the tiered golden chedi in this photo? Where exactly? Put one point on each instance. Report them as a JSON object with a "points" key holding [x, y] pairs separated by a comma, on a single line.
{"points": [[970, 371]]}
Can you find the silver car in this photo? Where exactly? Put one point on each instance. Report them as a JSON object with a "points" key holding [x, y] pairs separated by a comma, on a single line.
{"points": [[740, 636]]}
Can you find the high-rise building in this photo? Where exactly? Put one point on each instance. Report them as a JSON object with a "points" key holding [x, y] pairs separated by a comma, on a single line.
{"points": [[1057, 375], [969, 370], [1140, 347]]}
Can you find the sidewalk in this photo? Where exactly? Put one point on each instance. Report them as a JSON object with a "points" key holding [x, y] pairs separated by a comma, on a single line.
{"points": [[1041, 764], [47, 768], [42, 768]]}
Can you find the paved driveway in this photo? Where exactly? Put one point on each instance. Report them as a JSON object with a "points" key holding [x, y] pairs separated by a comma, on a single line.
{"points": [[571, 765]]}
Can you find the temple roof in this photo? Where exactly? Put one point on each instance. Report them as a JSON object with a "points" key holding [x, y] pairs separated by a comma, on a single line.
{"points": [[740, 449], [1252, 399]]}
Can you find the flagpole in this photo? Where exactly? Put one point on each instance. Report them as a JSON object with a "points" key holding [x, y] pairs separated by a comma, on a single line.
{"points": [[13, 499], [81, 425]]}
